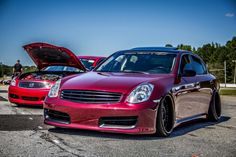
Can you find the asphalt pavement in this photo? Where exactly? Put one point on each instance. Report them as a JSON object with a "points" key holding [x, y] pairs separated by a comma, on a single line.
{"points": [[22, 133]]}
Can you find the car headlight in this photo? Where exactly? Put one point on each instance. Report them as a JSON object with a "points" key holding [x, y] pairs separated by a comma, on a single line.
{"points": [[13, 82], [54, 89], [141, 93]]}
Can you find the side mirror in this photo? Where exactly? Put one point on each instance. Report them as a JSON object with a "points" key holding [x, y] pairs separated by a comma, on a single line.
{"points": [[189, 73]]}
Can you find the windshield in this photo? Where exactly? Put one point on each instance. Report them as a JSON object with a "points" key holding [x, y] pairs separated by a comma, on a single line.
{"points": [[62, 68], [88, 63], [143, 62]]}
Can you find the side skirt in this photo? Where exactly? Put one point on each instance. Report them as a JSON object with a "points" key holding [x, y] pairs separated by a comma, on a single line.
{"points": [[177, 122]]}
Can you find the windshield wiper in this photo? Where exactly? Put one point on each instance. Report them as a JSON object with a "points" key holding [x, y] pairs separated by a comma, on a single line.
{"points": [[132, 71]]}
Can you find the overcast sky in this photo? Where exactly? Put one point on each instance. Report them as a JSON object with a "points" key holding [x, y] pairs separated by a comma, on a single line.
{"points": [[101, 27]]}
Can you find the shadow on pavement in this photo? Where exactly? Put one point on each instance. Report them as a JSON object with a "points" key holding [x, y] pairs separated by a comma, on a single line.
{"points": [[28, 106], [3, 91], [22, 122], [182, 129], [188, 127]]}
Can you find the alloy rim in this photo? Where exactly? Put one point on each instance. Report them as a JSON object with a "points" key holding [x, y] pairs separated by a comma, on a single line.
{"points": [[165, 114]]}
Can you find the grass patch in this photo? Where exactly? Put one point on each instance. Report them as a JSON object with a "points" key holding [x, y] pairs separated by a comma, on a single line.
{"points": [[228, 91]]}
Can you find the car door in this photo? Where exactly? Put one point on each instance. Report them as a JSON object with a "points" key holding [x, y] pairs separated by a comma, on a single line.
{"points": [[203, 85], [186, 91]]}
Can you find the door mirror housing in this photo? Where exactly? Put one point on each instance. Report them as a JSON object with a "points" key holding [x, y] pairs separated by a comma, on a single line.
{"points": [[189, 73], [186, 73]]}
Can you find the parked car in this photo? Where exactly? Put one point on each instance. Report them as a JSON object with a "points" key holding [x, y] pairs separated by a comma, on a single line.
{"points": [[53, 63], [91, 62], [137, 91]]}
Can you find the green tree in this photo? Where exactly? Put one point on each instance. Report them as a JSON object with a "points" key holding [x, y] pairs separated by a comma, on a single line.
{"points": [[168, 45], [215, 54], [184, 47]]}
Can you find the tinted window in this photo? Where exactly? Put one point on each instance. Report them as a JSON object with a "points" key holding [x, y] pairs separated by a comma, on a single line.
{"points": [[198, 66], [87, 62], [150, 62], [185, 64]]}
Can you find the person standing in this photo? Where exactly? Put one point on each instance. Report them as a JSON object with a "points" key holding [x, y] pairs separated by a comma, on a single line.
{"points": [[17, 69]]}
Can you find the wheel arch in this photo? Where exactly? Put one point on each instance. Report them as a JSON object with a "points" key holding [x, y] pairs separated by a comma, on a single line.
{"points": [[159, 125]]}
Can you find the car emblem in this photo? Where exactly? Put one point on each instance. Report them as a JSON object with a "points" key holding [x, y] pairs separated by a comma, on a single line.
{"points": [[31, 85]]}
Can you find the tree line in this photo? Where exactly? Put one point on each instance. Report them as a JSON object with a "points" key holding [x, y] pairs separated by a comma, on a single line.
{"points": [[6, 70], [214, 55]]}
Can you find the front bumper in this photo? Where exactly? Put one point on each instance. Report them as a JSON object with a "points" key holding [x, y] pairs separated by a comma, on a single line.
{"points": [[26, 96], [118, 118]]}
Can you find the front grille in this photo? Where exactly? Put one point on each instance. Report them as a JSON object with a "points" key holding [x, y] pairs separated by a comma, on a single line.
{"points": [[32, 85], [86, 96], [30, 98], [56, 116]]}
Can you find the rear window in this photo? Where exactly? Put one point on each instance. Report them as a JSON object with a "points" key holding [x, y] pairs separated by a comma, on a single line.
{"points": [[62, 68]]}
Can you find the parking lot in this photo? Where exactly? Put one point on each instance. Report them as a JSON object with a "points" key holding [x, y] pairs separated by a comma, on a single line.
{"points": [[22, 133]]}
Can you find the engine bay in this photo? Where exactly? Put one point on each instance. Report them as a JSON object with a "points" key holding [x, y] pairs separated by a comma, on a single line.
{"points": [[41, 76]]}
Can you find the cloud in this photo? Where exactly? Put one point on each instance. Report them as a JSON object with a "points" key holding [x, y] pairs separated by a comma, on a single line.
{"points": [[229, 14]]}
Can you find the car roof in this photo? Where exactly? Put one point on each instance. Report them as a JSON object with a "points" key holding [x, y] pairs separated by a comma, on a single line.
{"points": [[161, 49], [90, 57]]}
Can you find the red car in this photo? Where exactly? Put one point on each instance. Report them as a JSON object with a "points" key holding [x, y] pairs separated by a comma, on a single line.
{"points": [[53, 63], [137, 91]]}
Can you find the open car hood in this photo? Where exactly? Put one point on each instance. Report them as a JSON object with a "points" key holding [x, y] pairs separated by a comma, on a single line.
{"points": [[45, 55]]}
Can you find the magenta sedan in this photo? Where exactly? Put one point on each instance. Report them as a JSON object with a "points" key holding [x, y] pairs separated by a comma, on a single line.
{"points": [[147, 90]]}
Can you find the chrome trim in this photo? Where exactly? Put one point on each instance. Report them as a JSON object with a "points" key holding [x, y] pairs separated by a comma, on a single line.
{"points": [[117, 126], [56, 121], [157, 100], [195, 85]]}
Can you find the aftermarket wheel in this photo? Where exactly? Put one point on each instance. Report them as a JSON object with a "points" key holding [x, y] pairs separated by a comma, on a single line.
{"points": [[165, 117], [214, 111]]}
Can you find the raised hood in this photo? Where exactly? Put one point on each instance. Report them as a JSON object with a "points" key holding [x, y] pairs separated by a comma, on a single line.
{"points": [[44, 55]]}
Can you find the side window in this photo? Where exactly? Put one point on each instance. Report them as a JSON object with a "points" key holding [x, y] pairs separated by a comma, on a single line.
{"points": [[204, 67], [185, 63], [198, 66]]}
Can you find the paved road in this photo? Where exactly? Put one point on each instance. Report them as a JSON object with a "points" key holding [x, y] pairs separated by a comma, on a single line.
{"points": [[22, 133]]}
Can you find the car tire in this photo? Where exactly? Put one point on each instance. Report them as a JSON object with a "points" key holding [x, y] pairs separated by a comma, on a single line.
{"points": [[165, 117], [214, 111]]}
